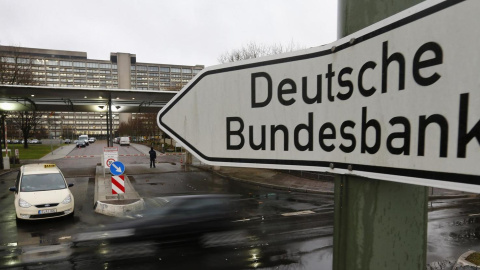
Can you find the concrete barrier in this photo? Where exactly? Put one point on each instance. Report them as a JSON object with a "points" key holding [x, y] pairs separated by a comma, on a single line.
{"points": [[119, 208], [115, 205]]}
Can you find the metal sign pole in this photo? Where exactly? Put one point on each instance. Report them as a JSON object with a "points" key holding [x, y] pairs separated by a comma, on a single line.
{"points": [[378, 224]]}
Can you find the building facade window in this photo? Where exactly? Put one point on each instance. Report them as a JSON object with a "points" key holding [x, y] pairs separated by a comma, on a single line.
{"points": [[23, 61], [165, 69], [92, 65], [8, 59], [51, 62], [38, 62], [65, 63], [79, 64]]}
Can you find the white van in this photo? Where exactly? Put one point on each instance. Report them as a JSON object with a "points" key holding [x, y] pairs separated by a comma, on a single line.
{"points": [[124, 140]]}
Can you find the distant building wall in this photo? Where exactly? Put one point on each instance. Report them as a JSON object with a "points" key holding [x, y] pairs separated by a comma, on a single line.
{"points": [[59, 68]]}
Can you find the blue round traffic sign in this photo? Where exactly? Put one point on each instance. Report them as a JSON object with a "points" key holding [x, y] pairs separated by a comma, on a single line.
{"points": [[117, 168]]}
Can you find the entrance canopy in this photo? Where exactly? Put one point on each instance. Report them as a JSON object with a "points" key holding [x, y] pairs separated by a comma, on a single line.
{"points": [[69, 99]]}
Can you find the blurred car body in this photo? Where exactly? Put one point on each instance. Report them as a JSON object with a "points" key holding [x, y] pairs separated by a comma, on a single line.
{"points": [[177, 219]]}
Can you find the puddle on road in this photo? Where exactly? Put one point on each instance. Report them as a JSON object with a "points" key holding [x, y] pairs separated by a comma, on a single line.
{"points": [[469, 232]]}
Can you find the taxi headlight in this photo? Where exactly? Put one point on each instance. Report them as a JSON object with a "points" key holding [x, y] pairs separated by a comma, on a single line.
{"points": [[67, 200], [23, 203]]}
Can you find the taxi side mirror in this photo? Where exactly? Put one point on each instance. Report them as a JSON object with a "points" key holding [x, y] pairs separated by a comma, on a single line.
{"points": [[14, 189], [70, 185]]}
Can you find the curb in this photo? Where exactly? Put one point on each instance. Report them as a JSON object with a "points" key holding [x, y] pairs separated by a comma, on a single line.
{"points": [[430, 198], [118, 210], [462, 262], [3, 172], [436, 197], [269, 185]]}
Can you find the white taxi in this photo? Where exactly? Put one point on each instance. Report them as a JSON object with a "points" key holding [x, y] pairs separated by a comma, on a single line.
{"points": [[41, 192]]}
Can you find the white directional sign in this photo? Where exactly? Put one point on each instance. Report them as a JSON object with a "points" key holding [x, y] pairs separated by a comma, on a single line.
{"points": [[399, 101]]}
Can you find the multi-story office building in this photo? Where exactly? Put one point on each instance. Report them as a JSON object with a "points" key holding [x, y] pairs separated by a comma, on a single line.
{"points": [[58, 68]]}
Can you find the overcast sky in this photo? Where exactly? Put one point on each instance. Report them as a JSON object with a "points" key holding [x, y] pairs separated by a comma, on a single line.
{"points": [[186, 32]]}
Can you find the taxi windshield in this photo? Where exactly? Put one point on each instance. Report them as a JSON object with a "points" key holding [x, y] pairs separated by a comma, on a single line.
{"points": [[42, 182]]}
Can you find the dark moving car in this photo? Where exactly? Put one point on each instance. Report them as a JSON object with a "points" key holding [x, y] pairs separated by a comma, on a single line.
{"points": [[81, 143], [180, 219]]}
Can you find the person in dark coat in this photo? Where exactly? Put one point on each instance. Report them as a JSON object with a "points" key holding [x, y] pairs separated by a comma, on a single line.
{"points": [[153, 156]]}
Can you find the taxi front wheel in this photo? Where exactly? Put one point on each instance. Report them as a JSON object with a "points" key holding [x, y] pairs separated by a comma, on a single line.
{"points": [[71, 215], [20, 222]]}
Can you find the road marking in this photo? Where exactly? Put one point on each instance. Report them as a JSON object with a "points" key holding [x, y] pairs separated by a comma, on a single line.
{"points": [[306, 212], [242, 220]]}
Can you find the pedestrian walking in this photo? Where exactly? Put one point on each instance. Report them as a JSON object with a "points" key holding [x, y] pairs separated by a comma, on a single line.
{"points": [[153, 156]]}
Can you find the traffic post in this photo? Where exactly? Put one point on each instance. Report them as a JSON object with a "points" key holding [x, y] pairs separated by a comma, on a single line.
{"points": [[118, 184], [110, 155], [6, 159], [390, 109], [117, 169], [380, 224]]}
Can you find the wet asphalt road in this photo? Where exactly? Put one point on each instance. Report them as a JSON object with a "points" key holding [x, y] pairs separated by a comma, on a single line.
{"points": [[274, 239]]}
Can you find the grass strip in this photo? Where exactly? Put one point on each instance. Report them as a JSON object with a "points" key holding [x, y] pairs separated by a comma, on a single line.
{"points": [[34, 151]]}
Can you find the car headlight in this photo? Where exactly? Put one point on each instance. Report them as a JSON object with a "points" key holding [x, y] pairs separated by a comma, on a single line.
{"points": [[67, 200], [23, 203]]}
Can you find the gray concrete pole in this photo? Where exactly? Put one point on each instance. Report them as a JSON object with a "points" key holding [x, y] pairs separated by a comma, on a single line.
{"points": [[378, 224], [110, 118]]}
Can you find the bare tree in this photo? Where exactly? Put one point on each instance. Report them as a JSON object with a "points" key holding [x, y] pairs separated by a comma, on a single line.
{"points": [[254, 50], [67, 131], [26, 121], [16, 69], [126, 129]]}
